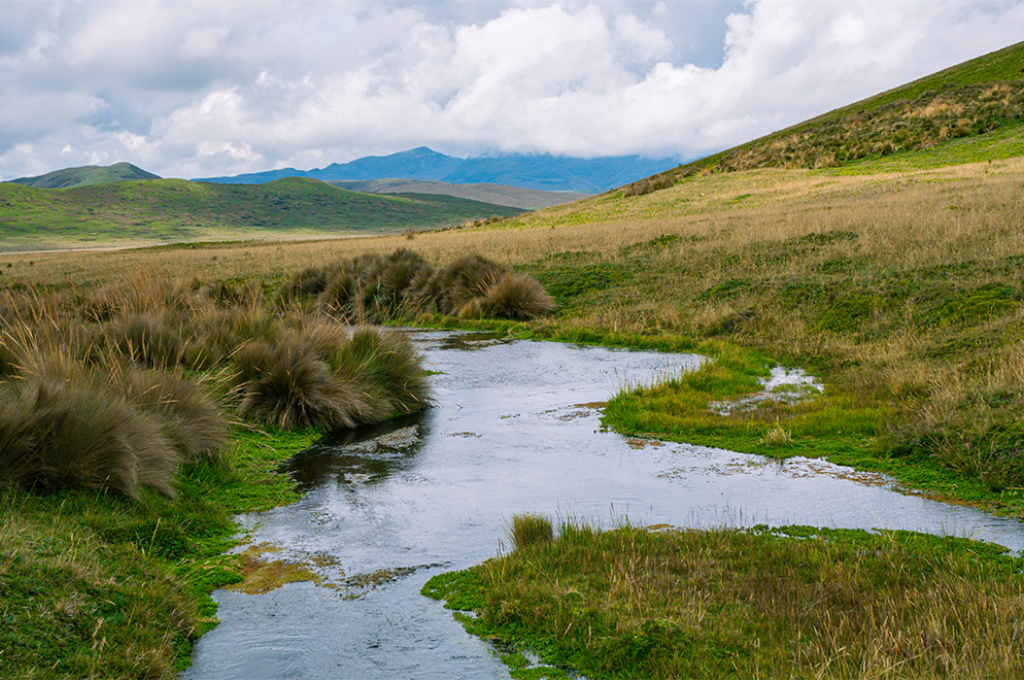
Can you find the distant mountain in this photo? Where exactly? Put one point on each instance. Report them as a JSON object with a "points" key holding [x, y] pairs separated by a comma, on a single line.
{"points": [[86, 176], [497, 194], [540, 172]]}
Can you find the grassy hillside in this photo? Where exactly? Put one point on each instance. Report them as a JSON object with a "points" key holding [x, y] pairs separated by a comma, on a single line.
{"points": [[497, 194], [178, 210], [86, 176], [977, 98]]}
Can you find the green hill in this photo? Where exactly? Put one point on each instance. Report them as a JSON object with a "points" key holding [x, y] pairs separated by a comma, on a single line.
{"points": [[973, 111], [86, 176], [178, 210], [498, 194]]}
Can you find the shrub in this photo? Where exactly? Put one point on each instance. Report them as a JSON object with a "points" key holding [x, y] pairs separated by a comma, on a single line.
{"points": [[513, 296], [54, 434]]}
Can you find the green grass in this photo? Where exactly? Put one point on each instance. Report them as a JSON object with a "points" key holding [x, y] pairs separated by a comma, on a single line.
{"points": [[795, 602], [1000, 144], [178, 210], [87, 175], [94, 585], [916, 122]]}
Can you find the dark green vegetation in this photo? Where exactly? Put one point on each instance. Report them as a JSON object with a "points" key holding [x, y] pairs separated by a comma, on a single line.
{"points": [[794, 602], [497, 194], [972, 99], [179, 210], [85, 176]]}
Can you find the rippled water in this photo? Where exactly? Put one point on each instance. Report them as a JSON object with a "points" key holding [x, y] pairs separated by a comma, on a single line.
{"points": [[514, 430]]}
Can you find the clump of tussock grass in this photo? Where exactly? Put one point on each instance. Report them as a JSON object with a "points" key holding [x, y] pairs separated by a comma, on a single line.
{"points": [[461, 282], [288, 385], [54, 434], [326, 383], [386, 282], [148, 339], [513, 296], [227, 293], [527, 530], [187, 414], [379, 288], [387, 370]]}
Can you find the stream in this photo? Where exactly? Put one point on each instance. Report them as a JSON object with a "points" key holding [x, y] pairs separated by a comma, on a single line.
{"points": [[515, 429]]}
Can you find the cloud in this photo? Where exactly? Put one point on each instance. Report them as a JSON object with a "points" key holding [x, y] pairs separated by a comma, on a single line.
{"points": [[191, 88]]}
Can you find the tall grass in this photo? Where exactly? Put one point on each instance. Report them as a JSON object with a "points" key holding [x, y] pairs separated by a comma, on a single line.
{"points": [[632, 603], [147, 353], [55, 435], [380, 288]]}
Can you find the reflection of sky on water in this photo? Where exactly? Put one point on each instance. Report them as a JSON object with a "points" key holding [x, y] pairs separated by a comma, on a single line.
{"points": [[511, 433]]}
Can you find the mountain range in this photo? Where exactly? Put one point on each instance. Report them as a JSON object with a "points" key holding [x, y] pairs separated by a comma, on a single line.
{"points": [[542, 172]]}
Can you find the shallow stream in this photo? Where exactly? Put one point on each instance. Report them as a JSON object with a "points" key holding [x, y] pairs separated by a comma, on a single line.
{"points": [[515, 429]]}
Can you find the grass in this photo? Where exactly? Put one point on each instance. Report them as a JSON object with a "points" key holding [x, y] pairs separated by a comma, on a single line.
{"points": [[726, 603], [170, 210], [895, 279], [96, 585]]}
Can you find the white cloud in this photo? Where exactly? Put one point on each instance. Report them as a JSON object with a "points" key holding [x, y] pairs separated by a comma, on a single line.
{"points": [[190, 88]]}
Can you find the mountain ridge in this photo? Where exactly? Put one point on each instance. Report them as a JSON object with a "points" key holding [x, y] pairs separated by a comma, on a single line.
{"points": [[541, 172]]}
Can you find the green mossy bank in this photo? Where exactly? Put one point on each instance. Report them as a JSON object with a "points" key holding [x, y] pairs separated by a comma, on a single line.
{"points": [[96, 585]]}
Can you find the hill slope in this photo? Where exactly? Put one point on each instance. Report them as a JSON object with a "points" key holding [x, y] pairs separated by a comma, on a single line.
{"points": [[175, 210], [497, 194], [541, 172], [85, 176], [984, 96]]}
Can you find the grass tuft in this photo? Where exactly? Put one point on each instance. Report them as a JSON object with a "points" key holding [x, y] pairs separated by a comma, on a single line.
{"points": [[55, 435], [527, 530]]}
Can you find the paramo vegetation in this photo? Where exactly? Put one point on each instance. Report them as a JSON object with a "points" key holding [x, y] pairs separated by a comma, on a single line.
{"points": [[118, 386]]}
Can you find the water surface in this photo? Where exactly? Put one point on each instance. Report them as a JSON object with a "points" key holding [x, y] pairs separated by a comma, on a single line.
{"points": [[514, 430]]}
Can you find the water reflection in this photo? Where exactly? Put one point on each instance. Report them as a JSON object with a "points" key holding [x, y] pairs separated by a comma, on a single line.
{"points": [[368, 455], [514, 430]]}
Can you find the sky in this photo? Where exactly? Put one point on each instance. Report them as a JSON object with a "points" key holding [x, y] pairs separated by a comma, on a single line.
{"points": [[194, 88]]}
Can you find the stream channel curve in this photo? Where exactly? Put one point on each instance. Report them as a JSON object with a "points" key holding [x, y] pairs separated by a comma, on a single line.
{"points": [[514, 430]]}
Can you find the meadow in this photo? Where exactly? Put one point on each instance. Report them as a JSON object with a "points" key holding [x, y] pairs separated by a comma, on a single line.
{"points": [[892, 273]]}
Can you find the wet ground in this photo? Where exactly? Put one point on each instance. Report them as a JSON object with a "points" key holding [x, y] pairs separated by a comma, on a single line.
{"points": [[515, 429]]}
